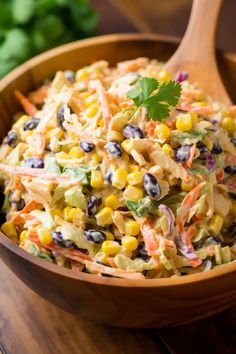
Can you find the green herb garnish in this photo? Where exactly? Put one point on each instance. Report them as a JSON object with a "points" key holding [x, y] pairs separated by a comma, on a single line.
{"points": [[191, 135], [158, 105]]}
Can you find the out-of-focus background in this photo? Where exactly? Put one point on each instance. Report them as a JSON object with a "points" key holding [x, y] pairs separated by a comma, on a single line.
{"points": [[29, 27]]}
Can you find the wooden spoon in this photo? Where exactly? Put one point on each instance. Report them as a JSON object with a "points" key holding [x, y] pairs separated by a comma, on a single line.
{"points": [[196, 53]]}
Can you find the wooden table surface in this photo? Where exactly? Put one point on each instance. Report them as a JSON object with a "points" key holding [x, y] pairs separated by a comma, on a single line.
{"points": [[30, 325]]}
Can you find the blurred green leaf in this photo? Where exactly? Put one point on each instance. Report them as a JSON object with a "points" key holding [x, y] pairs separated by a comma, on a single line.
{"points": [[28, 27], [22, 10], [15, 46]]}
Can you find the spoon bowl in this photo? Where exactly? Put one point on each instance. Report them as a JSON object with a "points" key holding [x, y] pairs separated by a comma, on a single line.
{"points": [[196, 53]]}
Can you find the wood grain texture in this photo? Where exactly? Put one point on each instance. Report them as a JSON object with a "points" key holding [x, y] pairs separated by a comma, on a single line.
{"points": [[196, 53], [30, 325], [155, 303]]}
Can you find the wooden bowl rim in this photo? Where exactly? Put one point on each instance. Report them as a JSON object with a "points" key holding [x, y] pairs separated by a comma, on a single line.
{"points": [[91, 278]]}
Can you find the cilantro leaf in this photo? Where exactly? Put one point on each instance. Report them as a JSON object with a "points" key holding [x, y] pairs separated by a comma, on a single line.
{"points": [[159, 104]]}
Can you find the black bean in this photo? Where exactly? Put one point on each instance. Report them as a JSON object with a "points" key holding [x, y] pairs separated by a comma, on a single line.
{"points": [[86, 146], [59, 240], [230, 169], [61, 114], [20, 204], [151, 186], [217, 149], [108, 176], [182, 153], [12, 139], [92, 206], [95, 236], [212, 240], [69, 75], [34, 162], [233, 141], [132, 132], [201, 146], [142, 251], [114, 149], [31, 123]]}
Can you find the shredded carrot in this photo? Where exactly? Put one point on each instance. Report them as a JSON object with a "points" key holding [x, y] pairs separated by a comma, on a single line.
{"points": [[38, 173], [189, 161], [220, 174], [97, 86], [37, 97], [151, 125], [101, 269], [68, 253], [31, 205], [29, 108]]}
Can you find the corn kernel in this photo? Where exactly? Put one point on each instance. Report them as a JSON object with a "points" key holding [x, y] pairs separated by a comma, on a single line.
{"points": [[109, 235], [119, 121], [56, 132], [162, 131], [8, 228], [184, 122], [104, 216], [114, 135], [194, 117], [208, 142], [76, 153], [164, 75], [90, 100], [44, 235], [130, 243], [96, 179], [186, 186], [75, 213], [62, 155], [91, 110], [110, 247], [112, 202], [96, 158], [20, 122], [58, 212], [66, 213], [132, 227], [200, 104], [168, 149], [133, 193], [23, 235], [216, 224], [228, 124], [119, 178], [84, 95], [135, 178], [81, 74], [126, 145]]}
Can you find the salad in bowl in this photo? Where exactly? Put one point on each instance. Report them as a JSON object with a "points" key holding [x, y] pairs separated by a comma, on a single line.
{"points": [[122, 171]]}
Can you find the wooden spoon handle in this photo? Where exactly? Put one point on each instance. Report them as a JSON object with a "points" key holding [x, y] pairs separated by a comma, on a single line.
{"points": [[201, 30], [196, 53]]}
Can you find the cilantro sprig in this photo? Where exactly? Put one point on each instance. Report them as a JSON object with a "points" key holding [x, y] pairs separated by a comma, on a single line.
{"points": [[158, 105]]}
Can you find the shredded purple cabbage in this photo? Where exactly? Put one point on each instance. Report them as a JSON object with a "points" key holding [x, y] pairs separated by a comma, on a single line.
{"points": [[185, 250], [210, 160], [181, 76], [169, 216]]}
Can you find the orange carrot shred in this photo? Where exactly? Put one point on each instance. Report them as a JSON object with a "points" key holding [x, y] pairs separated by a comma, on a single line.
{"points": [[29, 107]]}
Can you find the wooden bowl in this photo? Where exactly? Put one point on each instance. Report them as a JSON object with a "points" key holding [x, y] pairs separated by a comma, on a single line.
{"points": [[113, 301]]}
